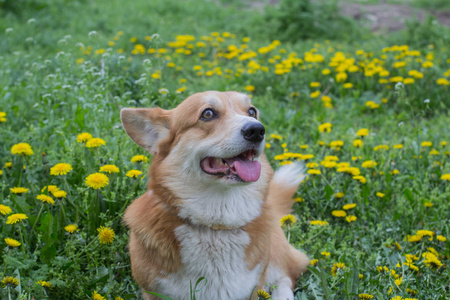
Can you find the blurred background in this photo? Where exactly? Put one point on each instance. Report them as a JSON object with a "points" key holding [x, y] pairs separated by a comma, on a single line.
{"points": [[287, 20]]}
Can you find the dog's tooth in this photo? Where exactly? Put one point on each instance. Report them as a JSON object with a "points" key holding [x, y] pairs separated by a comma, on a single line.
{"points": [[219, 161]]}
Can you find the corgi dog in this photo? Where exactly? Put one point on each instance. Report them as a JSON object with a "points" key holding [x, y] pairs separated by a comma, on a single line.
{"points": [[213, 204]]}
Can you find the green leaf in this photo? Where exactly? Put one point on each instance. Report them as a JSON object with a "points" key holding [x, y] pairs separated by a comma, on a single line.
{"points": [[48, 236], [409, 195], [79, 117], [158, 295], [322, 278]]}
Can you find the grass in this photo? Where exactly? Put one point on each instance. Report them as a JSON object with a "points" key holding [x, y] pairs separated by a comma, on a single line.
{"points": [[60, 81]]}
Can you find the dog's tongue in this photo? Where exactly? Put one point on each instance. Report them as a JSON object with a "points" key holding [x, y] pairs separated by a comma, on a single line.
{"points": [[246, 169]]}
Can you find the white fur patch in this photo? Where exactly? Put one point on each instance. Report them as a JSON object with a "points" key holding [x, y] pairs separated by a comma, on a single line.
{"points": [[290, 175], [216, 205], [276, 277], [219, 256]]}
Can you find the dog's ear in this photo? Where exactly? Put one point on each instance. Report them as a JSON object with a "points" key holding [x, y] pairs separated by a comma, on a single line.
{"points": [[147, 127]]}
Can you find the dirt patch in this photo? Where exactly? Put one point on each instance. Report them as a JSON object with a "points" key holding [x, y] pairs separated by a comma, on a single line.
{"points": [[388, 17], [380, 17]]}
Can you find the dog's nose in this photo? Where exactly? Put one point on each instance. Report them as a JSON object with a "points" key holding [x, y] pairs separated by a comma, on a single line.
{"points": [[253, 132]]}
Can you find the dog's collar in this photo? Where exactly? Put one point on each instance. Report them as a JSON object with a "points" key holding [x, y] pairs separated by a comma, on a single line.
{"points": [[216, 227]]}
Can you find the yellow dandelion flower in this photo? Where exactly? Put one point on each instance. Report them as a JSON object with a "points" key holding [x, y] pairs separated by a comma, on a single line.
{"points": [[2, 117], [60, 169], [368, 164], [10, 281], [398, 146], [288, 220], [319, 222], [424, 233], [45, 284], [381, 147], [105, 235], [348, 85], [426, 144], [361, 276], [314, 262], [350, 219], [361, 179], [441, 238], [8, 165], [315, 94], [325, 253], [12, 242], [71, 228], [411, 266], [349, 206], [363, 132], [339, 213], [428, 204], [446, 177], [381, 195], [97, 296], [365, 296], [59, 194], [22, 149], [5, 210], [16, 218], [250, 88], [95, 143], [336, 267], [328, 164], [110, 169], [45, 199], [262, 294], [118, 298], [358, 143], [97, 181], [19, 190], [133, 173], [314, 172], [50, 188], [139, 158], [299, 199], [431, 260], [84, 137], [397, 245], [395, 172], [325, 127], [413, 238]]}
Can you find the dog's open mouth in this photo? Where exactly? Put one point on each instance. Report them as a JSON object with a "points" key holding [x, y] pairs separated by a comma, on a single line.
{"points": [[243, 167]]}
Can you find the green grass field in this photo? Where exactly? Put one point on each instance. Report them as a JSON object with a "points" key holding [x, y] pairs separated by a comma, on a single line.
{"points": [[368, 116]]}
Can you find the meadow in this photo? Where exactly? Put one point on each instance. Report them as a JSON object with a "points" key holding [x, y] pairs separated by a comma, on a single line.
{"points": [[367, 115]]}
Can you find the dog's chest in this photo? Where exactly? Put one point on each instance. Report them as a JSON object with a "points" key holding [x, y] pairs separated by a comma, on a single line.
{"points": [[219, 256]]}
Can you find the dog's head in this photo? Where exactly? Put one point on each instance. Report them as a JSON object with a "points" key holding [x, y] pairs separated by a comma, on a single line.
{"points": [[210, 144]]}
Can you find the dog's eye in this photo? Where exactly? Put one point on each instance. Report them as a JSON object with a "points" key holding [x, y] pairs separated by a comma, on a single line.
{"points": [[252, 112], [208, 114]]}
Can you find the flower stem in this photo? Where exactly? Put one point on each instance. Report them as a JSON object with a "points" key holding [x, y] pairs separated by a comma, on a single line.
{"points": [[39, 214], [67, 185], [6, 263], [21, 239]]}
